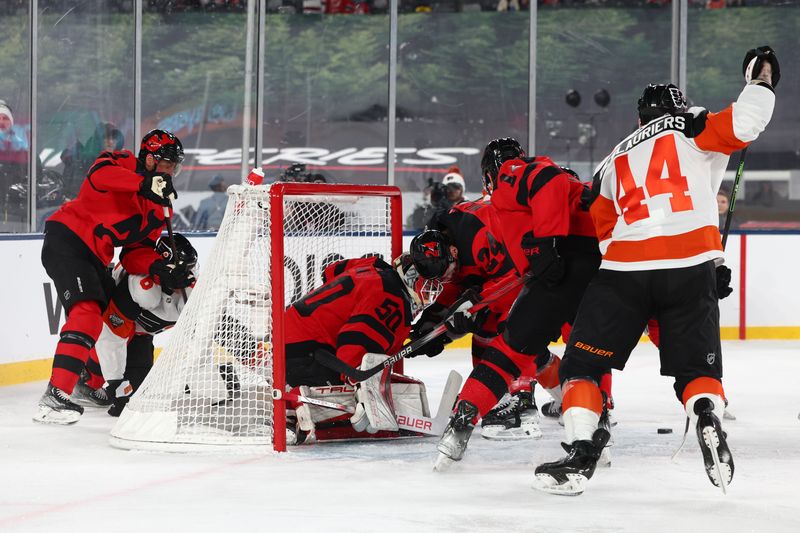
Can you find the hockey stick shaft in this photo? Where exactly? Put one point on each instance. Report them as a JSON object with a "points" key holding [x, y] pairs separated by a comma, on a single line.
{"points": [[171, 240], [331, 361], [732, 200]]}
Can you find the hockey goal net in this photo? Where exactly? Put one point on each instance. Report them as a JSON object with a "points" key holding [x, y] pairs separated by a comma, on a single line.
{"points": [[219, 379]]}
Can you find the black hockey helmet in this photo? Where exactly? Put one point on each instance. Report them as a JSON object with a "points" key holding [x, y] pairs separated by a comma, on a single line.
{"points": [[162, 145], [187, 255], [659, 100], [430, 252], [495, 154]]}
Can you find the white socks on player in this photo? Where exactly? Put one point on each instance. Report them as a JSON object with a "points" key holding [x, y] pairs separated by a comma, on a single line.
{"points": [[580, 423]]}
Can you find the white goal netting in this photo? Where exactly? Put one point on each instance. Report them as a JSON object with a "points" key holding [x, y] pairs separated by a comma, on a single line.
{"points": [[213, 383]]}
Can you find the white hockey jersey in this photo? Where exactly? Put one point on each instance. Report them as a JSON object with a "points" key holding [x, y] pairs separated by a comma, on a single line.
{"points": [[159, 311], [657, 206]]}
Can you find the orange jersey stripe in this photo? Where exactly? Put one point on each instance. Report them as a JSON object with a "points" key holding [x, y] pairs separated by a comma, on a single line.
{"points": [[604, 215], [718, 135], [702, 385], [679, 246], [582, 393]]}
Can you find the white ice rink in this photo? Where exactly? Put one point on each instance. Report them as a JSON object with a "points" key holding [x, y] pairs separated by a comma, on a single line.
{"points": [[67, 479]]}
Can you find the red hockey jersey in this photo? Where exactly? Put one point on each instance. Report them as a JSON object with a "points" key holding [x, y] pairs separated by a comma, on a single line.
{"points": [[108, 212], [535, 195], [363, 307]]}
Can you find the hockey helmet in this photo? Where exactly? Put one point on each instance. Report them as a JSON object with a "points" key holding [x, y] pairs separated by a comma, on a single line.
{"points": [[495, 154], [187, 255], [162, 145], [659, 100], [430, 252]]}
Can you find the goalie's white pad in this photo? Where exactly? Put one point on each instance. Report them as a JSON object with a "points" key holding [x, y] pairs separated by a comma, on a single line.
{"points": [[374, 407]]}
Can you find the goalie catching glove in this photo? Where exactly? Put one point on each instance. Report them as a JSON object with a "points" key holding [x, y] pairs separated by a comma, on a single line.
{"points": [[374, 407]]}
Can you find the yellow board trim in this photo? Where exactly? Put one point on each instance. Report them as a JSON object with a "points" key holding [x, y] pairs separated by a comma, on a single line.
{"points": [[39, 369]]}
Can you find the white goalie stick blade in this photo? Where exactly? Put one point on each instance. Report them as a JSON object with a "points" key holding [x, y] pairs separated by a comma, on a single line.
{"points": [[435, 426], [574, 486]]}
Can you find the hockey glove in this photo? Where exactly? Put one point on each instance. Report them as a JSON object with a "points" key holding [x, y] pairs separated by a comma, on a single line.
{"points": [[546, 265], [461, 321], [431, 316], [157, 187], [754, 61], [171, 276], [723, 282]]}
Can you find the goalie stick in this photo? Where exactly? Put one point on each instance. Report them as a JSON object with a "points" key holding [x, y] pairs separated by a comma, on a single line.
{"points": [[334, 363], [417, 423]]}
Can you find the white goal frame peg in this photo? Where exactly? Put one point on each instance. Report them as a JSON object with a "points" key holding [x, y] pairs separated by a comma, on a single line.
{"points": [[277, 394]]}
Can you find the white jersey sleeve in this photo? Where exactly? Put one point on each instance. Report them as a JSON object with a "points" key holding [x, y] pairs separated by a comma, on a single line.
{"points": [[657, 206]]}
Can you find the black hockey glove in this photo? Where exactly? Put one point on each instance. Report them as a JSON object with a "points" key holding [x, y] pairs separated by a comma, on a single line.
{"points": [[590, 192], [546, 265], [463, 322], [171, 276], [757, 56], [431, 316], [157, 187], [723, 282]]}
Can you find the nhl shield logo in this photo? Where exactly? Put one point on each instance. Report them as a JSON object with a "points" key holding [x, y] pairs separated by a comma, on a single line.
{"points": [[710, 358]]}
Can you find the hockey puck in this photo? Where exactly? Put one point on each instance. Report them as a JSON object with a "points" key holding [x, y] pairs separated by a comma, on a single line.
{"points": [[664, 431]]}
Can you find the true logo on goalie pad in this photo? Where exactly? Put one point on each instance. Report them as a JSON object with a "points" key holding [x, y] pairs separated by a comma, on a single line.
{"points": [[335, 389]]}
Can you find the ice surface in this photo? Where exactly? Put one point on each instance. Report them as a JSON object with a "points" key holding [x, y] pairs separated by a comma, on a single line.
{"points": [[69, 479]]}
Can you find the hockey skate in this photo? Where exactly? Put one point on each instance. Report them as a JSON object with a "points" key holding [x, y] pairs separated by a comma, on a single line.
{"points": [[456, 436], [56, 407], [716, 454], [86, 396], [552, 409], [515, 417], [568, 476]]}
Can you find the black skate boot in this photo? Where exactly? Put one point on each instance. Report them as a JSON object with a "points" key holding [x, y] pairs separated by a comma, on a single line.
{"points": [[515, 417], [88, 397], [56, 407], [552, 409], [456, 435], [716, 454], [568, 476]]}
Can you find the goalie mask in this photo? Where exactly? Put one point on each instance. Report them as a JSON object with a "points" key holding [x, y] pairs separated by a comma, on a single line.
{"points": [[162, 145], [187, 255], [495, 154], [423, 291], [659, 100]]}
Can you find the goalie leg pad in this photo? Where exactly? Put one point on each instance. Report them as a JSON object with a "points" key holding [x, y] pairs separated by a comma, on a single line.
{"points": [[374, 408]]}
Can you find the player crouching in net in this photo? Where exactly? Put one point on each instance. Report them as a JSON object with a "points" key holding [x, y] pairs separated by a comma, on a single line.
{"points": [[140, 307], [656, 216], [363, 311]]}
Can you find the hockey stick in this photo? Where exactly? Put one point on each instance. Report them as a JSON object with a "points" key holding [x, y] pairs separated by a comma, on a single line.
{"points": [[334, 363], [732, 199], [171, 240]]}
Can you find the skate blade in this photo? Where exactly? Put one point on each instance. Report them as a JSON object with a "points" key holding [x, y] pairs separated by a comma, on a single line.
{"points": [[605, 458], [574, 486], [501, 433], [443, 463], [46, 415], [720, 474], [89, 403]]}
